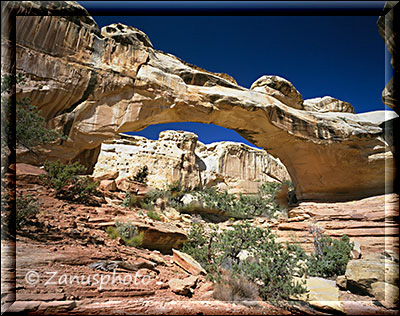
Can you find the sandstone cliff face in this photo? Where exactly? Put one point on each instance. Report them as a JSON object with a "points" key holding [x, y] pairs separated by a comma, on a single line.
{"points": [[179, 156], [93, 85], [372, 222]]}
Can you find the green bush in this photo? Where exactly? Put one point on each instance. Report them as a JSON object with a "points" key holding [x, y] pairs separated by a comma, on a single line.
{"points": [[68, 182], [271, 264], [244, 206], [127, 232], [58, 175], [26, 208], [221, 203], [30, 128], [141, 175], [198, 244], [131, 200], [154, 215], [330, 256]]}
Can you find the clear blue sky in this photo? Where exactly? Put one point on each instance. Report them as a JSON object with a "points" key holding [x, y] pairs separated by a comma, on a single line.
{"points": [[339, 56]]}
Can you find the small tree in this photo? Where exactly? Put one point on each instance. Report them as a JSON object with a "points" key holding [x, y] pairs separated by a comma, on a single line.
{"points": [[31, 129], [141, 175]]}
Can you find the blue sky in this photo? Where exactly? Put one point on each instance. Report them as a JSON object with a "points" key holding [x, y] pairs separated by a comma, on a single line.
{"points": [[339, 56]]}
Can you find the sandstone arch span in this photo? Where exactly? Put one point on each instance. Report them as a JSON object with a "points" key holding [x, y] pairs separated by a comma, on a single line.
{"points": [[92, 85]]}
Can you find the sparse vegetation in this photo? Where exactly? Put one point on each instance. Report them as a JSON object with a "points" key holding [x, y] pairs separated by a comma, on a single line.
{"points": [[131, 200], [153, 215], [26, 208], [211, 201], [236, 288], [30, 128], [243, 206], [141, 174], [330, 256], [269, 263], [127, 232], [68, 182]]}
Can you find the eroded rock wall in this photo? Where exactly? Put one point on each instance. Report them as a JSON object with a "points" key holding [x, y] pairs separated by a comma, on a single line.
{"points": [[92, 85], [179, 156]]}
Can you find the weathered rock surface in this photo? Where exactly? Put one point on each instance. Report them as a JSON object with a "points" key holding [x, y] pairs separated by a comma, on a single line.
{"points": [[378, 276], [92, 86], [362, 273], [322, 294], [183, 286], [179, 156], [371, 222], [187, 262], [387, 294], [279, 88], [327, 104]]}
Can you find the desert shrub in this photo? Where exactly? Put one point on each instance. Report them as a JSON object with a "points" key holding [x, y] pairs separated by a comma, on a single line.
{"points": [[127, 232], [244, 206], [30, 128], [154, 215], [270, 189], [198, 244], [226, 204], [131, 200], [233, 287], [330, 256], [26, 208], [58, 175], [272, 264], [172, 194], [141, 175], [68, 182], [176, 190]]}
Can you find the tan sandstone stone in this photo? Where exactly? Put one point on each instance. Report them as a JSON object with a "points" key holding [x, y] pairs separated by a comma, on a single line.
{"points": [[179, 156]]}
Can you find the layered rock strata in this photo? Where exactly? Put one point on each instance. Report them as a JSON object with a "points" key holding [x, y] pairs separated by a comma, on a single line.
{"points": [[179, 156], [92, 85], [372, 222]]}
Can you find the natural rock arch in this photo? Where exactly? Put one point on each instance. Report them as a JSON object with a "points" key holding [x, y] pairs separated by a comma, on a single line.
{"points": [[93, 85]]}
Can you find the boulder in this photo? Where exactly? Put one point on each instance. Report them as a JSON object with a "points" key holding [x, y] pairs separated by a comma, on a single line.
{"points": [[327, 104], [387, 294], [108, 185], [186, 262], [156, 235], [362, 273], [322, 294], [183, 286], [127, 185], [107, 175], [190, 199]]}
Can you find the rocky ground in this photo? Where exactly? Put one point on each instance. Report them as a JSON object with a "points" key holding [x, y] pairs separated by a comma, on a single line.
{"points": [[65, 238]]}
